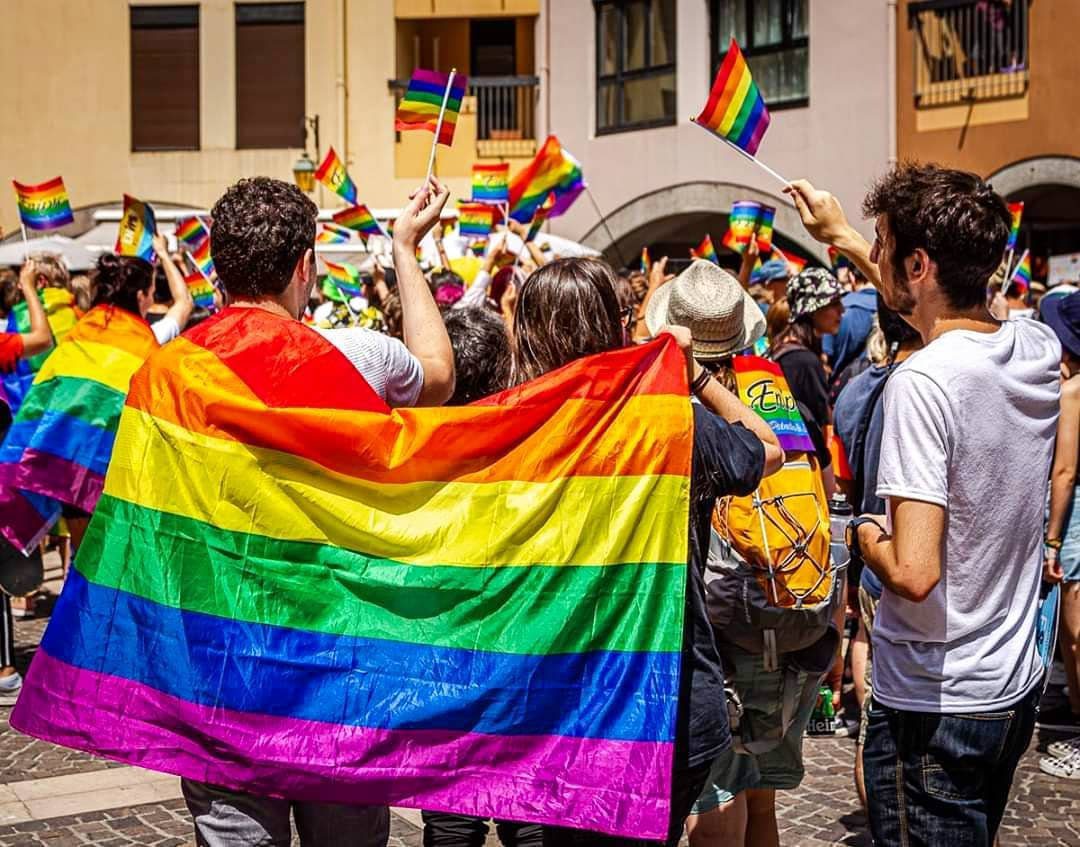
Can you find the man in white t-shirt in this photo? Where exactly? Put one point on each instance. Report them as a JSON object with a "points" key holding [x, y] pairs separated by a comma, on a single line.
{"points": [[966, 450]]}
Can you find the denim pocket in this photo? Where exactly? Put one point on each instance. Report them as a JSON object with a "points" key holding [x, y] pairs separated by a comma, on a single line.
{"points": [[961, 752]]}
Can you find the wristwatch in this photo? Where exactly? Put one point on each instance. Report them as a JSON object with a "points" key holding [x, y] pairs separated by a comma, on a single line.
{"points": [[851, 535]]}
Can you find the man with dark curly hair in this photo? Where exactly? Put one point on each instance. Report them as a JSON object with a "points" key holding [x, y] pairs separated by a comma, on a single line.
{"points": [[967, 441], [263, 242]]}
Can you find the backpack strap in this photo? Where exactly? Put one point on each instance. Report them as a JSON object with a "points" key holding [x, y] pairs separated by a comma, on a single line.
{"points": [[858, 448]]}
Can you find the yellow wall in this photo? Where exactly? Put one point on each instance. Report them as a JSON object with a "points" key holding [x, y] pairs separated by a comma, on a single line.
{"points": [[71, 114]]}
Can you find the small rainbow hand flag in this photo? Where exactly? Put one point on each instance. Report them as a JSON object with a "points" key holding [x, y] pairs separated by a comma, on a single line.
{"points": [[645, 263], [764, 389], [705, 250], [202, 290], [202, 259], [491, 183], [359, 218], [765, 222], [475, 220], [345, 276], [135, 236], [479, 247], [742, 219], [420, 107], [735, 110], [191, 231], [838, 260], [1022, 275], [333, 175], [44, 206], [552, 171], [333, 234], [1017, 212], [540, 216], [795, 263]]}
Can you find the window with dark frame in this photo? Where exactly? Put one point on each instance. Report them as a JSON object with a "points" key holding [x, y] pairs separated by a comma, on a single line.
{"points": [[164, 78], [774, 36], [635, 64], [270, 61]]}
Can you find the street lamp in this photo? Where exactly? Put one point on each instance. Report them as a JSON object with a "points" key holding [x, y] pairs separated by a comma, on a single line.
{"points": [[304, 169]]}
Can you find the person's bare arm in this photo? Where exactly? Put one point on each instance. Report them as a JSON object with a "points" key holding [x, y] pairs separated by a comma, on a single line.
{"points": [[825, 220], [521, 231], [444, 260], [658, 276], [749, 259], [39, 338], [1063, 474], [183, 305], [422, 324], [908, 562]]}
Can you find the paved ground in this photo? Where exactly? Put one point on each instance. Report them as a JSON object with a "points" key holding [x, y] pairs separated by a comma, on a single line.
{"points": [[824, 811]]}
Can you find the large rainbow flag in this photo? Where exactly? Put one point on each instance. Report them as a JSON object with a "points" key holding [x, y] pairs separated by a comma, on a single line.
{"points": [[423, 100], [135, 235], [44, 206], [348, 604], [552, 171], [735, 110], [59, 305], [58, 447], [1016, 210], [333, 175], [763, 387], [491, 183]]}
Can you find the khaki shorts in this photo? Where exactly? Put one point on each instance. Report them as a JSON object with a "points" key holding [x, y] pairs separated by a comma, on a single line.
{"points": [[867, 611]]}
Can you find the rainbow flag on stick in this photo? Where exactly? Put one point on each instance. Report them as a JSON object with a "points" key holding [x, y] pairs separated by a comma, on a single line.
{"points": [[333, 234], [838, 260], [191, 231], [59, 445], [343, 278], [475, 220], [458, 708], [705, 250], [765, 221], [202, 259], [552, 171], [1022, 275], [202, 290], [742, 219], [135, 236], [44, 206], [491, 183], [423, 102], [333, 175], [1017, 212], [359, 218], [763, 387], [645, 263]]}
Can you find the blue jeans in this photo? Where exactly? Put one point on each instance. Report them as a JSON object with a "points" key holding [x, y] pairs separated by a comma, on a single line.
{"points": [[943, 779]]}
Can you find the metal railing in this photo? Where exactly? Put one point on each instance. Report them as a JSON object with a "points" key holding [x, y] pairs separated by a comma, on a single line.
{"points": [[969, 50], [505, 113]]}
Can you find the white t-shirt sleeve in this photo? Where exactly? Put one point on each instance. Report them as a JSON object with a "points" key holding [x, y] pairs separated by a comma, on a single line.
{"points": [[915, 445], [394, 373], [475, 294], [166, 329], [404, 373]]}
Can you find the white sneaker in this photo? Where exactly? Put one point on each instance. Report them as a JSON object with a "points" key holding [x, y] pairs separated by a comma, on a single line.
{"points": [[10, 686], [1067, 768], [1064, 749]]}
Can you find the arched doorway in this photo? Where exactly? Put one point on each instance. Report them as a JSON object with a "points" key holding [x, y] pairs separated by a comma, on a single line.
{"points": [[673, 219], [1049, 187]]}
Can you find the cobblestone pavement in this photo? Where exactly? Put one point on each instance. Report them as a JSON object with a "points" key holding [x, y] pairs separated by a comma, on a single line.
{"points": [[823, 811]]}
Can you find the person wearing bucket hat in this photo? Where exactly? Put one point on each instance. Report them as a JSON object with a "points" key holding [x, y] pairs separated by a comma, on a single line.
{"points": [[722, 318], [1061, 550]]}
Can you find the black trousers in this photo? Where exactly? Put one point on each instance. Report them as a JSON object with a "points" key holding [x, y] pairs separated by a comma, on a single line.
{"points": [[445, 830]]}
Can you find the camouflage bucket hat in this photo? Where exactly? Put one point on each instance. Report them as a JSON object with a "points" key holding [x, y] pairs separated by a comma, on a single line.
{"points": [[812, 289]]}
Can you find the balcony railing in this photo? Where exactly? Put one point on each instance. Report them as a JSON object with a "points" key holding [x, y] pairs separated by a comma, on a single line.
{"points": [[505, 113], [969, 50]]}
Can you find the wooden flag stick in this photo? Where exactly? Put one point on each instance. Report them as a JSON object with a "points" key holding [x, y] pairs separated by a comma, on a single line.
{"points": [[745, 155], [438, 126]]}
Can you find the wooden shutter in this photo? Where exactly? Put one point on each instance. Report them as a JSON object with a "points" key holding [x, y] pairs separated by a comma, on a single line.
{"points": [[165, 78], [269, 75]]}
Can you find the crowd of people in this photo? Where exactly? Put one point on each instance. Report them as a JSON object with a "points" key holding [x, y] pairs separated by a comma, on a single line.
{"points": [[946, 423]]}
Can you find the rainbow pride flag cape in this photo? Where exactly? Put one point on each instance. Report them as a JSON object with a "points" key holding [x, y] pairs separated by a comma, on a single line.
{"points": [[202, 258], [491, 183], [331, 233], [333, 175], [59, 444], [201, 289], [552, 171], [475, 220], [399, 669], [191, 231], [1022, 275], [44, 206], [135, 235], [1017, 212], [59, 305], [705, 250], [423, 100], [735, 110], [360, 219], [763, 387]]}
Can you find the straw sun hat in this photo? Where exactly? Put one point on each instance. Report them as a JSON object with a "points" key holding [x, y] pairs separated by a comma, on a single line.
{"points": [[722, 318]]}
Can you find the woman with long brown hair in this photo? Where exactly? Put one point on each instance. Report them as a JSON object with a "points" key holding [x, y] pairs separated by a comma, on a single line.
{"points": [[569, 309]]}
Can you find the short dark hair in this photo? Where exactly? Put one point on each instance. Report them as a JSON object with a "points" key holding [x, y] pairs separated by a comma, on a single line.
{"points": [[260, 230], [954, 216], [119, 279], [481, 353]]}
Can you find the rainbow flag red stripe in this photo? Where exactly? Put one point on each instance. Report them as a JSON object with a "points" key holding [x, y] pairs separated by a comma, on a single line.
{"points": [[333, 175], [763, 387], [1017, 212], [459, 707], [475, 220], [58, 447], [552, 171], [359, 218], [735, 110], [423, 100], [44, 206], [491, 183], [705, 250]]}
